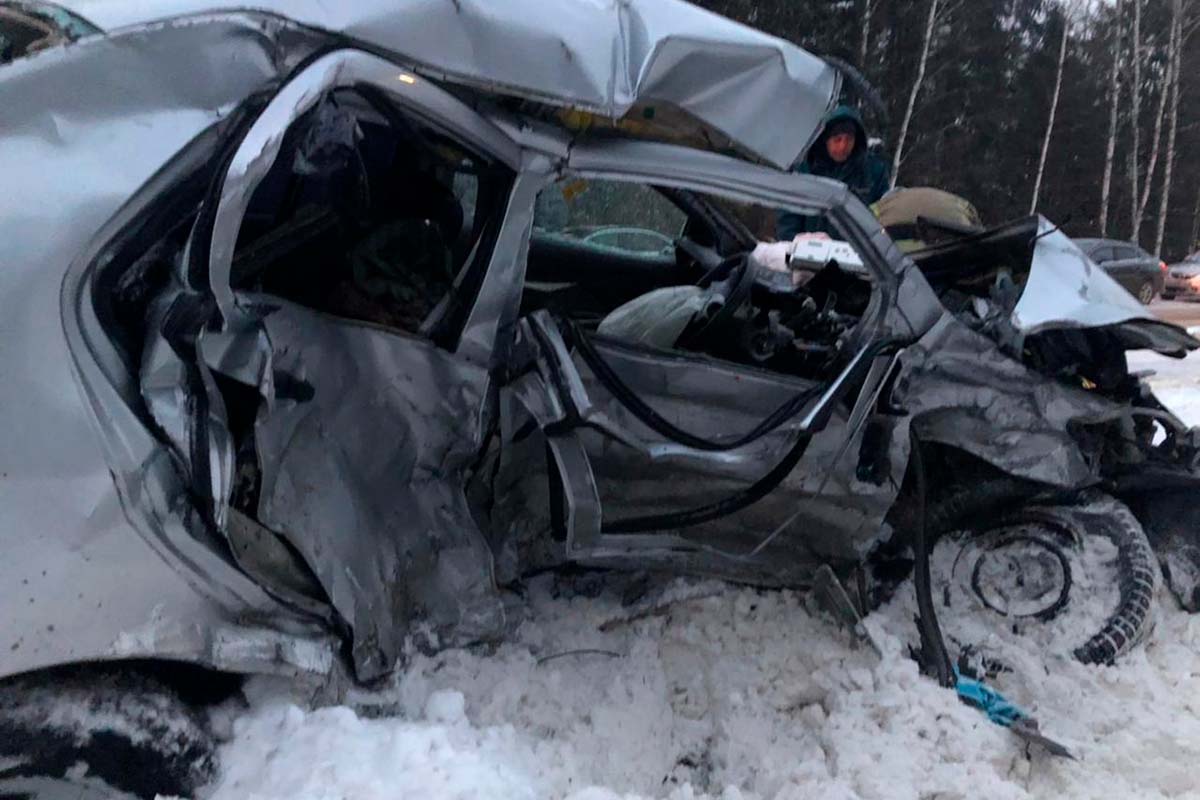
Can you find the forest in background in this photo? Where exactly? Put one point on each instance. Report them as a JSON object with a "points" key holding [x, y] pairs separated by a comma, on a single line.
{"points": [[1088, 110]]}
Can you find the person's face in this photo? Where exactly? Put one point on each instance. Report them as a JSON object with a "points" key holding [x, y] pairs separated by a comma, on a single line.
{"points": [[840, 146]]}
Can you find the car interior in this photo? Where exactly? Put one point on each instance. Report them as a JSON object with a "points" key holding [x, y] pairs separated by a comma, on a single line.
{"points": [[670, 277], [371, 216]]}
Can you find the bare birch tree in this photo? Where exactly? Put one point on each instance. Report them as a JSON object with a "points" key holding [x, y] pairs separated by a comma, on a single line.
{"points": [[1155, 148], [1062, 60], [1135, 90], [930, 23], [1114, 89], [1164, 199], [1194, 239], [864, 42]]}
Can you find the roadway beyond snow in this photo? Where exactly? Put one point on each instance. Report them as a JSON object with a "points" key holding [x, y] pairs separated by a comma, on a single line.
{"points": [[1185, 314]]}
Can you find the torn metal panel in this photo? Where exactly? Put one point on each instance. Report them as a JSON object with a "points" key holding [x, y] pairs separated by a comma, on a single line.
{"points": [[828, 506], [183, 399], [366, 479], [840, 514], [488, 331], [603, 56], [278, 568], [962, 391], [1066, 290], [243, 356]]}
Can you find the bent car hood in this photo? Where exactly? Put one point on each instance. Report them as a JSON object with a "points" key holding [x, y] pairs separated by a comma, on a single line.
{"points": [[1065, 289], [606, 57]]}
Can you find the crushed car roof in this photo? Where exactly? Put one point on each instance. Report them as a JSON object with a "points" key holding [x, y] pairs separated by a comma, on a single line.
{"points": [[607, 57]]}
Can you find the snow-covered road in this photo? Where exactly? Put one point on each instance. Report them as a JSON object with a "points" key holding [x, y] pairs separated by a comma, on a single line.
{"points": [[734, 693]]}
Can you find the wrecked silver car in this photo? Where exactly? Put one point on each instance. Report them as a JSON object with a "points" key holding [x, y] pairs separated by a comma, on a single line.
{"points": [[318, 339]]}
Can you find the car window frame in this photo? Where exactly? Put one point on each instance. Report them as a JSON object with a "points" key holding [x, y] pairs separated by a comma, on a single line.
{"points": [[562, 235], [259, 147], [881, 279]]}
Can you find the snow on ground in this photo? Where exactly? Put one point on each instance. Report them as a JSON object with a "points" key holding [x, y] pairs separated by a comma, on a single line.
{"points": [[734, 693]]}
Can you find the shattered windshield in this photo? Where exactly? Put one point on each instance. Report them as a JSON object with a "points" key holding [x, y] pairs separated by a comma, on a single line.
{"points": [[609, 214]]}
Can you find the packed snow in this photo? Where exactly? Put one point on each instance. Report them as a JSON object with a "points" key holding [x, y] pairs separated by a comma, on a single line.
{"points": [[701, 690]]}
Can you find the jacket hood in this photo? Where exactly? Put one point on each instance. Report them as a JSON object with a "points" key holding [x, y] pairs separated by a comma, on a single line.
{"points": [[840, 114]]}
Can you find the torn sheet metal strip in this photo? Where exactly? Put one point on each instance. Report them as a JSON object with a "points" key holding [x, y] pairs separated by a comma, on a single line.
{"points": [[378, 512]]}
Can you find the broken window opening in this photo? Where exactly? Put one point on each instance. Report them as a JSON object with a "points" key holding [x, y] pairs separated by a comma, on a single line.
{"points": [[639, 264], [374, 216]]}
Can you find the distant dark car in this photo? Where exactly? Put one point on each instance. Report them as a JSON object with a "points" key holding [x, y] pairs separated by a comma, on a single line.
{"points": [[1140, 273], [1183, 279]]}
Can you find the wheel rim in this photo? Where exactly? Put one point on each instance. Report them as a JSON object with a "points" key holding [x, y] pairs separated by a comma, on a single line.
{"points": [[1146, 294], [1022, 574], [1073, 577], [1021, 570]]}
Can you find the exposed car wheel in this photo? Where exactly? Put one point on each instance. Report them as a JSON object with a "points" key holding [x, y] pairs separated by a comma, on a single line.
{"points": [[1076, 576], [96, 734], [1145, 293]]}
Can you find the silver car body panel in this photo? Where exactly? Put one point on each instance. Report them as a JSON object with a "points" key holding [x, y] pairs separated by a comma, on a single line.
{"points": [[365, 478], [615, 467], [767, 96], [103, 558], [377, 511], [962, 391]]}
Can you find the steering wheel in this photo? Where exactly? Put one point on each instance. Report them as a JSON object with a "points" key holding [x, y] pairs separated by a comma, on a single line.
{"points": [[740, 282], [708, 258], [661, 240]]}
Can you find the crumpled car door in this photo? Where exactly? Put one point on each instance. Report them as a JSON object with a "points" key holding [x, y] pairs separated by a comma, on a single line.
{"points": [[362, 433], [620, 492]]}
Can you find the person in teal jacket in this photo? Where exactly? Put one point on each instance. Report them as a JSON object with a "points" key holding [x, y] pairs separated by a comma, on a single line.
{"points": [[841, 153]]}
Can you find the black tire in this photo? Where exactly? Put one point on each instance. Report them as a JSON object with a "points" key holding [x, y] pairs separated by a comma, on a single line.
{"points": [[1167, 295], [99, 733], [1145, 293], [1033, 567]]}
